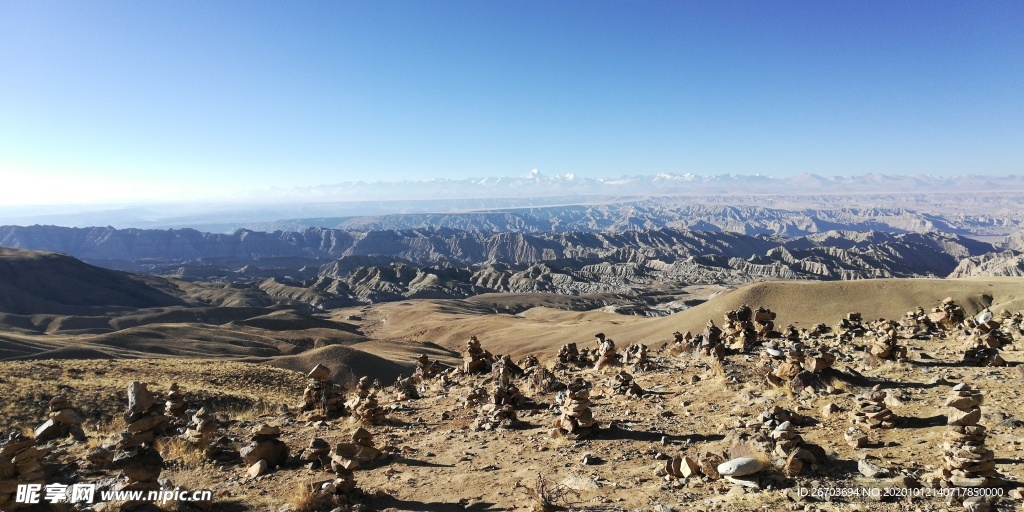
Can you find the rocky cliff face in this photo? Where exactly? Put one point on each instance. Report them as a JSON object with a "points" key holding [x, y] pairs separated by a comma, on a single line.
{"points": [[995, 264], [328, 267]]}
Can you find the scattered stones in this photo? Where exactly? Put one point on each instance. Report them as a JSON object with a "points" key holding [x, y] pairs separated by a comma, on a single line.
{"points": [[871, 470], [406, 387]]}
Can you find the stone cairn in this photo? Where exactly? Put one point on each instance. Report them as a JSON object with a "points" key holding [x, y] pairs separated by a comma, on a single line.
{"points": [[475, 396], [711, 341], [801, 367], [21, 461], [683, 343], [872, 412], [577, 419], [317, 455], [406, 387], [764, 322], [500, 411], [850, 327], [636, 355], [202, 427], [790, 445], [363, 404], [265, 451], [476, 360], [623, 384], [885, 345], [174, 403], [948, 315], [322, 399], [139, 462], [427, 369], [968, 463], [346, 457], [739, 331], [985, 340], [62, 420], [606, 354], [569, 355]]}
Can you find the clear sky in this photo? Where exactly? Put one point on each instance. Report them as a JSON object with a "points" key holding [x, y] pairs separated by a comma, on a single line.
{"points": [[118, 100]]}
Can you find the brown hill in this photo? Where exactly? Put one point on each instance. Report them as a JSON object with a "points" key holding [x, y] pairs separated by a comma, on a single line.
{"points": [[33, 282]]}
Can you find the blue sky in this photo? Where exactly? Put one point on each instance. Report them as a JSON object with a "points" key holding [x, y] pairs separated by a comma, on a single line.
{"points": [[168, 100]]}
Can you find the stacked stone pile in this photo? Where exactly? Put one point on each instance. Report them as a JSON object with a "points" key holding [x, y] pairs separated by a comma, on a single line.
{"points": [[764, 321], [711, 341], [22, 462], [872, 411], [140, 464], [427, 369], [850, 327], [202, 427], [985, 339], [948, 315], [569, 355], [316, 455], [577, 419], [322, 399], [967, 461], [885, 346], [476, 360], [636, 354], [406, 387], [739, 330], [505, 390], [174, 402], [145, 418], [265, 451], [62, 420], [623, 384], [363, 404]]}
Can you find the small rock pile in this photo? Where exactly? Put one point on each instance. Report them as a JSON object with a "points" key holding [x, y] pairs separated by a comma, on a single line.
{"points": [[475, 396], [174, 403], [317, 455], [202, 427], [739, 331], [636, 355], [500, 410], [623, 384], [476, 360], [606, 355], [885, 345], [144, 417], [140, 464], [850, 327], [568, 355], [948, 315], [711, 341], [985, 340], [62, 420], [265, 451], [366, 450], [872, 411], [764, 321], [427, 369], [21, 461], [791, 446], [363, 405], [406, 387], [505, 390], [577, 419], [322, 399], [967, 462]]}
